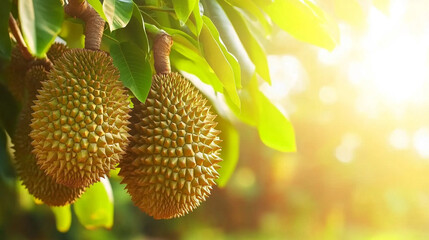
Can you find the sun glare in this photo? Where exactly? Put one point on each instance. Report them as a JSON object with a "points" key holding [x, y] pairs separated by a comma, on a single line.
{"points": [[394, 59]]}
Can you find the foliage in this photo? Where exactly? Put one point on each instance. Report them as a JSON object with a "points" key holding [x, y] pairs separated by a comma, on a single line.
{"points": [[218, 41]]}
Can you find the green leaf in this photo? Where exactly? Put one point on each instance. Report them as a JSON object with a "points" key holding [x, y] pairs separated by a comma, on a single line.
{"points": [[94, 208], [183, 9], [214, 51], [257, 110], [305, 21], [232, 41], [197, 19], [40, 23], [183, 38], [252, 46], [275, 130], [134, 68], [230, 151], [135, 31], [5, 46], [184, 59], [118, 13], [63, 218], [96, 4], [231, 58], [250, 8]]}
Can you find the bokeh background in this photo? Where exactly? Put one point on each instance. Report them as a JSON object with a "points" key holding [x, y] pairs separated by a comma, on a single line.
{"points": [[361, 170]]}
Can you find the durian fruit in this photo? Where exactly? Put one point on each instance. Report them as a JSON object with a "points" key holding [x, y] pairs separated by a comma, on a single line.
{"points": [[17, 69], [34, 179], [19, 66], [56, 51], [171, 163], [80, 118]]}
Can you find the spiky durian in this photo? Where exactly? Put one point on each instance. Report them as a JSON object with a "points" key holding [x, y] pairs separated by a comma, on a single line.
{"points": [[17, 69], [80, 118], [56, 51], [19, 66], [171, 163], [34, 179]]}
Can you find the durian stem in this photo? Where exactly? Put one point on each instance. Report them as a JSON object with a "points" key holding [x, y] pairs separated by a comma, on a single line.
{"points": [[94, 24], [161, 52], [18, 37]]}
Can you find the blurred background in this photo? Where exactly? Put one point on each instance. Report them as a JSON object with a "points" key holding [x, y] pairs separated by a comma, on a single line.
{"points": [[361, 170]]}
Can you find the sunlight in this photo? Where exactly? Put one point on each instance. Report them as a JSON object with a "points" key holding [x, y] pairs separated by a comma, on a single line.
{"points": [[399, 139], [397, 72], [421, 142], [394, 59]]}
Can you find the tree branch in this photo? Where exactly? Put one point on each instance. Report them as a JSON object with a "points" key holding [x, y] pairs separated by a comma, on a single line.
{"points": [[94, 24], [161, 52], [18, 37]]}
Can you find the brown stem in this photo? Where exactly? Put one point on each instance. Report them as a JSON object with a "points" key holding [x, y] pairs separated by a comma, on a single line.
{"points": [[18, 37], [94, 24], [161, 52]]}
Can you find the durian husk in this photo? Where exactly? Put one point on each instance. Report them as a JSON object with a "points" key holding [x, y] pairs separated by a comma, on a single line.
{"points": [[80, 119], [170, 165], [17, 70], [19, 66], [40, 185]]}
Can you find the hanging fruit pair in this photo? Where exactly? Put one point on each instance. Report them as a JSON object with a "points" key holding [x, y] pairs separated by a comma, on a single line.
{"points": [[171, 163], [79, 131]]}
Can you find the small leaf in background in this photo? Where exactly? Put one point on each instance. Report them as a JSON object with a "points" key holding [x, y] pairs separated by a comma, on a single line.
{"points": [[5, 46], [183, 9], [41, 21], [6, 169], [187, 60], [215, 56], [134, 68], [230, 151], [94, 208], [232, 41], [305, 21], [63, 218], [118, 12], [350, 11], [252, 46], [98, 7], [275, 130], [195, 17], [382, 5]]}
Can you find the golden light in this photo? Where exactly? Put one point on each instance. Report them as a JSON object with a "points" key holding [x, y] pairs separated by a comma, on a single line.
{"points": [[394, 59]]}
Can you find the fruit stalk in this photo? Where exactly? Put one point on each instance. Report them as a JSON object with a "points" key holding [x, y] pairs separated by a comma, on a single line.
{"points": [[161, 52], [94, 24], [18, 37]]}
